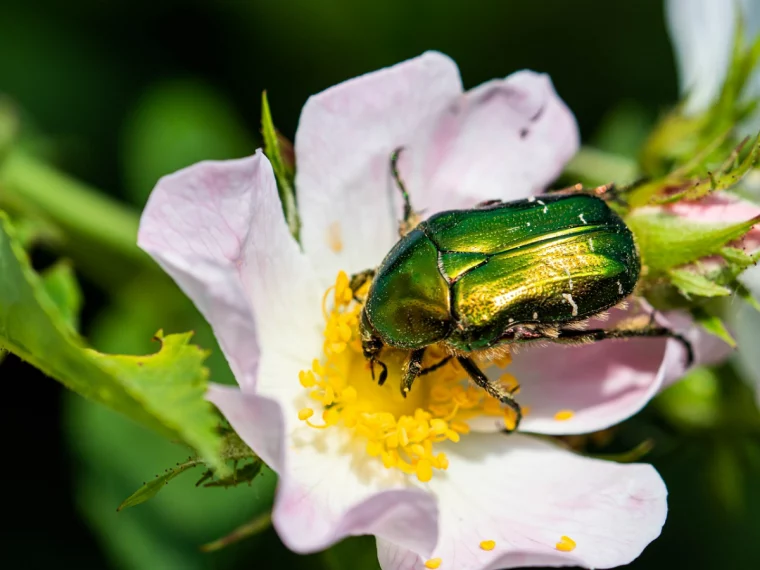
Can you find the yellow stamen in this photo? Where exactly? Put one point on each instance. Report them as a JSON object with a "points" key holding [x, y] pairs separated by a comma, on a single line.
{"points": [[305, 414], [565, 544], [401, 433], [563, 415], [488, 544], [433, 563]]}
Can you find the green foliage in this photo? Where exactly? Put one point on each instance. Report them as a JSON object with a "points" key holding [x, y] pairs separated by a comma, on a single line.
{"points": [[666, 241], [714, 325], [691, 283], [693, 180], [61, 285], [282, 167], [679, 137], [163, 391], [176, 124], [152, 487]]}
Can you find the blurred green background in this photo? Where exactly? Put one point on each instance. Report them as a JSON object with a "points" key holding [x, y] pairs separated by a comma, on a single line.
{"points": [[120, 93]]}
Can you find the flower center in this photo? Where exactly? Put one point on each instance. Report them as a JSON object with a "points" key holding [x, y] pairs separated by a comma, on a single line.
{"points": [[401, 432]]}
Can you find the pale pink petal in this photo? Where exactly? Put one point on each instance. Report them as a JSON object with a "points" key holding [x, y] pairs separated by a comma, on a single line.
{"points": [[343, 145], [600, 384], [218, 229], [506, 139], [256, 419], [525, 495], [329, 487]]}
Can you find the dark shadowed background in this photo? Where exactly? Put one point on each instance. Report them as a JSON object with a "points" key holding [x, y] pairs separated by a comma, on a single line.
{"points": [[120, 93]]}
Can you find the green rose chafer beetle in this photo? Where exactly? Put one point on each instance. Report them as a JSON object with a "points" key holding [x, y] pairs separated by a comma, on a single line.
{"points": [[502, 273]]}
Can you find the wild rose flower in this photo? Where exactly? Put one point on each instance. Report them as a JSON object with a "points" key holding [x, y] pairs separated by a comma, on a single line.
{"points": [[355, 458]]}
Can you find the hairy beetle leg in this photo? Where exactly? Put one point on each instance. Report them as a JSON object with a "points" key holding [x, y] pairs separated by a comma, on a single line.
{"points": [[441, 363], [413, 368], [492, 388], [595, 335]]}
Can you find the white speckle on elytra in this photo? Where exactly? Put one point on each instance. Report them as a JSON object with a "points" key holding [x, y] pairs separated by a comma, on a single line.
{"points": [[569, 299], [528, 224], [620, 288], [569, 278], [535, 316], [532, 199], [582, 218], [511, 320], [591, 244], [546, 208]]}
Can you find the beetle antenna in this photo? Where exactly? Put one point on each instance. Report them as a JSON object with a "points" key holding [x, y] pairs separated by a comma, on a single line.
{"points": [[400, 183]]}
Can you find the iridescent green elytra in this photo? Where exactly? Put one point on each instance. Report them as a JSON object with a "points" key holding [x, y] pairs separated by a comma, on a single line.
{"points": [[502, 273], [471, 278]]}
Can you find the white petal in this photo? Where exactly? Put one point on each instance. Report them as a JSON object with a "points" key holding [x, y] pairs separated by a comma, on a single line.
{"points": [[343, 145], [506, 139], [525, 495], [218, 229]]}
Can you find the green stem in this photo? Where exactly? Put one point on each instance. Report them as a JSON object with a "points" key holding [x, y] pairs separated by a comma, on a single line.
{"points": [[72, 205], [257, 525]]}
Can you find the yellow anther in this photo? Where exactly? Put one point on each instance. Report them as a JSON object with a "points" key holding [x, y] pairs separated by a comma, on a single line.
{"points": [[563, 415], [348, 395], [305, 414], [433, 563], [331, 416], [306, 378], [488, 544], [565, 544], [424, 470], [402, 433]]}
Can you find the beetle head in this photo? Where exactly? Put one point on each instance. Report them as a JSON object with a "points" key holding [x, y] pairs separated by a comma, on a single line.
{"points": [[371, 347]]}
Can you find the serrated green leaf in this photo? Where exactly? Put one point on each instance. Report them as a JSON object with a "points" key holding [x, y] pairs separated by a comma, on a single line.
{"points": [[61, 285], [152, 487], [690, 283], [280, 166], [666, 241], [738, 257], [713, 325], [164, 391]]}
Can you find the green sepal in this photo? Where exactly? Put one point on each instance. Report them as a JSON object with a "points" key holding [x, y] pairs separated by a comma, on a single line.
{"points": [[713, 325], [152, 487], [245, 474], [164, 391], [283, 168], [666, 241], [690, 283]]}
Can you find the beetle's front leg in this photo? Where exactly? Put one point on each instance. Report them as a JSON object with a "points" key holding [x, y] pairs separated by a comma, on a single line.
{"points": [[412, 370], [358, 280], [492, 388]]}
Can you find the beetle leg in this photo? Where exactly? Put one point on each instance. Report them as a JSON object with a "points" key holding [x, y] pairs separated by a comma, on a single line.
{"points": [[435, 366], [492, 388], [595, 335], [383, 371], [413, 368], [410, 216], [359, 279]]}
